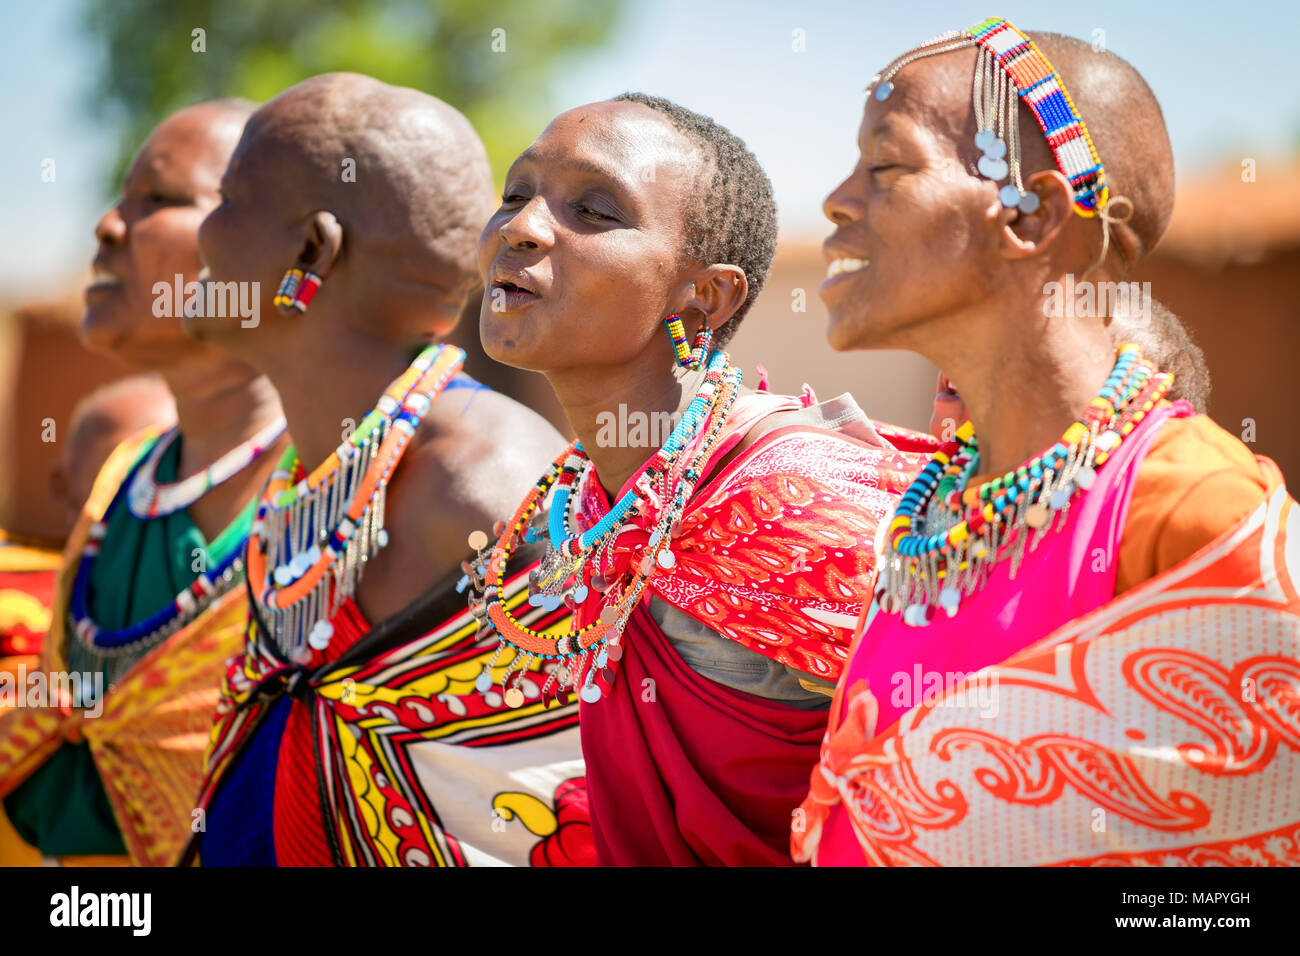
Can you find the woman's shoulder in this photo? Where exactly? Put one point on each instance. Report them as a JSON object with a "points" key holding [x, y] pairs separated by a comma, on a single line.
{"points": [[1196, 483]]}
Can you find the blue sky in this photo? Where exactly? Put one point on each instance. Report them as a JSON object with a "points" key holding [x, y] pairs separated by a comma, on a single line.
{"points": [[1223, 73]]}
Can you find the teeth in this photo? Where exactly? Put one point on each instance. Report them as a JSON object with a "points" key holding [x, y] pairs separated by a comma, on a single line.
{"points": [[838, 266], [101, 277]]}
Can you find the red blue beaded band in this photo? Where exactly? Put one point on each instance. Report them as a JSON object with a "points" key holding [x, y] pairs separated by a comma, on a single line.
{"points": [[1010, 69]]}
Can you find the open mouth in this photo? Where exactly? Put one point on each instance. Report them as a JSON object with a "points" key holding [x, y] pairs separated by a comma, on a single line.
{"points": [[506, 295], [103, 284], [103, 279], [840, 266]]}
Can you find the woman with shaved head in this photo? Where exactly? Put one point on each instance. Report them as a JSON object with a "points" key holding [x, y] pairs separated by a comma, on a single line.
{"points": [[148, 605], [1084, 606], [349, 731], [717, 578]]}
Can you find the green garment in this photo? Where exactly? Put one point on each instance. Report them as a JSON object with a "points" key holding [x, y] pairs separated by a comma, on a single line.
{"points": [[62, 808]]}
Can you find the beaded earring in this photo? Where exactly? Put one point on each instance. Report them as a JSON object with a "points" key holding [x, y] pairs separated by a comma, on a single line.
{"points": [[700, 347], [296, 291], [306, 291], [677, 332], [693, 356], [288, 289]]}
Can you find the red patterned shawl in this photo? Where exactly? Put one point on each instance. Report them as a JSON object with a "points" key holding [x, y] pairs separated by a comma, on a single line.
{"points": [[775, 553]]}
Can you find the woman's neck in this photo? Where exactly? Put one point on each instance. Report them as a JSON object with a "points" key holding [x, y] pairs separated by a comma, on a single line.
{"points": [[329, 384], [219, 407], [1025, 382], [623, 414]]}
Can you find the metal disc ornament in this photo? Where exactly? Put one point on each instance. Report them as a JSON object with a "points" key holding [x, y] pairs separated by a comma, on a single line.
{"points": [[994, 169]]}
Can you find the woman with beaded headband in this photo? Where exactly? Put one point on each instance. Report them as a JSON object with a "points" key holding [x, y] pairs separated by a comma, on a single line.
{"points": [[1084, 550], [148, 605], [715, 579], [349, 730]]}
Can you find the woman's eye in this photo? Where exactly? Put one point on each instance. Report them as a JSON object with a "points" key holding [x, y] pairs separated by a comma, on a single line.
{"points": [[511, 198], [585, 210]]}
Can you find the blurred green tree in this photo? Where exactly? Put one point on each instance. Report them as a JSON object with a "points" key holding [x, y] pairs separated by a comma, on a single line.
{"points": [[493, 61]]}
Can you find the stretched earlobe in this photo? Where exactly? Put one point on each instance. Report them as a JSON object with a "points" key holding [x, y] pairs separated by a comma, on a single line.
{"points": [[1031, 227]]}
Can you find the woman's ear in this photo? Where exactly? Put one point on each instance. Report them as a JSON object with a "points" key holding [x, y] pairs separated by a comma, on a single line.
{"points": [[717, 292], [322, 243], [1025, 235]]}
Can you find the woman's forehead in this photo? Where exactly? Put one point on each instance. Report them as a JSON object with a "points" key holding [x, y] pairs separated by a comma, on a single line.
{"points": [[626, 141], [933, 93]]}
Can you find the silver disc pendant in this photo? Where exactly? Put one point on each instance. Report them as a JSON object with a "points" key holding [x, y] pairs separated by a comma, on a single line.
{"points": [[950, 600], [996, 149], [1028, 203], [1010, 196], [984, 139], [319, 637], [994, 169], [916, 615]]}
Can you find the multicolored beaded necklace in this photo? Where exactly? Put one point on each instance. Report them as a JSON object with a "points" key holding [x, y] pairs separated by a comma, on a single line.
{"points": [[945, 538], [566, 573], [116, 650], [148, 498], [313, 534]]}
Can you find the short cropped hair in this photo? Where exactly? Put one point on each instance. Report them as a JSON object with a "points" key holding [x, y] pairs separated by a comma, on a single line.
{"points": [[734, 222]]}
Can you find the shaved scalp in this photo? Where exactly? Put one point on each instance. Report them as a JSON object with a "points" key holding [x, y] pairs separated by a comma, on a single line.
{"points": [[233, 108], [423, 185], [1128, 129]]}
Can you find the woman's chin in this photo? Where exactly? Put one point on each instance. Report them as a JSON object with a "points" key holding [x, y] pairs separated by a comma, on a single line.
{"points": [[510, 343], [101, 328], [855, 327], [844, 332]]}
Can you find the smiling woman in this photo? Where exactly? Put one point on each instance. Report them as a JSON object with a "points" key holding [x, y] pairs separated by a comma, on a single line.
{"points": [[1079, 521], [716, 580]]}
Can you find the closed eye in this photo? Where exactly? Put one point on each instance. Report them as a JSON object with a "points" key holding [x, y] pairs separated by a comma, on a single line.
{"points": [[585, 210]]}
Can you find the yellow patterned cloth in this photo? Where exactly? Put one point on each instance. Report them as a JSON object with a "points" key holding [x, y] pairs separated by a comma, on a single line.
{"points": [[148, 742]]}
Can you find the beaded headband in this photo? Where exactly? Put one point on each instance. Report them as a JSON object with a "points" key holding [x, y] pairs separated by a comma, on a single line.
{"points": [[1023, 73]]}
